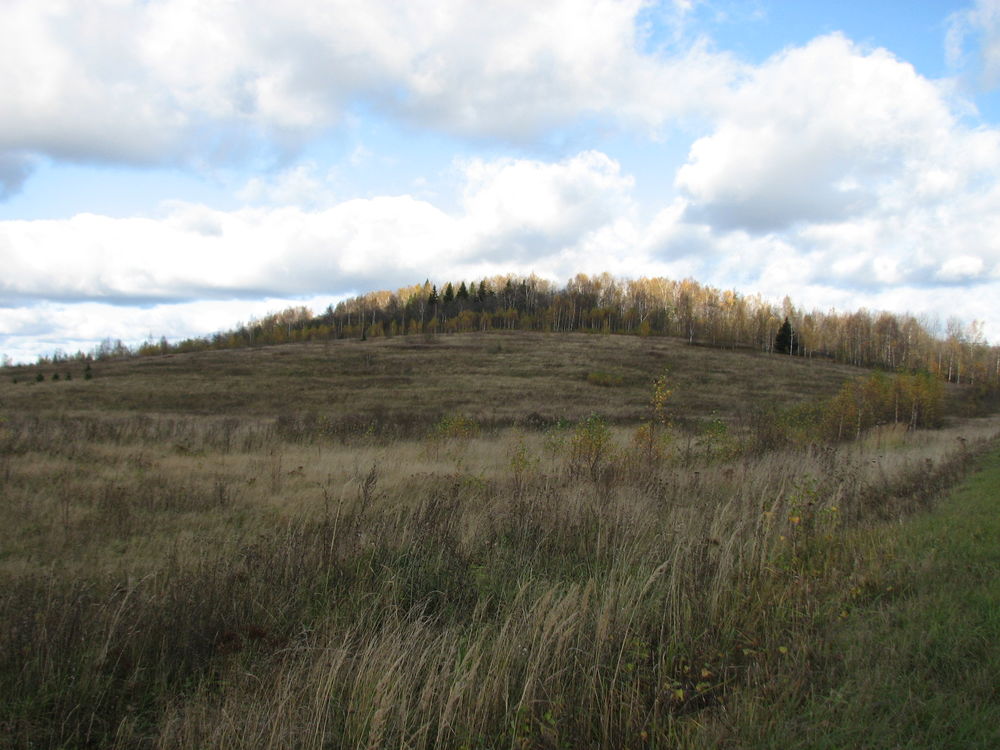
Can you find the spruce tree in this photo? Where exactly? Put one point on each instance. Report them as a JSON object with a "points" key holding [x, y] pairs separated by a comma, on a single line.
{"points": [[463, 292], [784, 341], [432, 299], [449, 294]]}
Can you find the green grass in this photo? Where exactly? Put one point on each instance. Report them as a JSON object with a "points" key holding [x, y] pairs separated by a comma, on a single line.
{"points": [[919, 665]]}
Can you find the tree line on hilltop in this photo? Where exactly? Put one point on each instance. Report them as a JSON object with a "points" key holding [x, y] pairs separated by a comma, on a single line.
{"points": [[686, 309]]}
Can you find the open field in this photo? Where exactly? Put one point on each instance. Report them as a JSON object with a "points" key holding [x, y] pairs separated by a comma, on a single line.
{"points": [[419, 543]]}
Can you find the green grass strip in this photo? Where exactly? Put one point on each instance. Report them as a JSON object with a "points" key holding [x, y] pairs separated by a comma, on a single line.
{"points": [[921, 668]]}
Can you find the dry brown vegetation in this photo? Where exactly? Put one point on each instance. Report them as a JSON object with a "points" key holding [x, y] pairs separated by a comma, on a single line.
{"points": [[452, 542], [497, 378]]}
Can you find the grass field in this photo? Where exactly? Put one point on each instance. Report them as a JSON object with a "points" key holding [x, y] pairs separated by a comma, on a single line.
{"points": [[468, 541]]}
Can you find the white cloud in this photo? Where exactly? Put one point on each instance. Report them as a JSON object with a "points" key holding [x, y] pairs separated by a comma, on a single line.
{"points": [[515, 213], [198, 81], [522, 209], [72, 88], [961, 268], [820, 133], [298, 185], [856, 161]]}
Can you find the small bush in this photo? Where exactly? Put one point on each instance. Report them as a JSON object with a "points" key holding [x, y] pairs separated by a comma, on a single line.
{"points": [[456, 426], [591, 446], [605, 379]]}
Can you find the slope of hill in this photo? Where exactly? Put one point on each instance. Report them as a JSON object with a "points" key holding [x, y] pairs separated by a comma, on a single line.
{"points": [[496, 378]]}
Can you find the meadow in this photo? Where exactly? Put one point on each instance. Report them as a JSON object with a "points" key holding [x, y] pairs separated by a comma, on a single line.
{"points": [[470, 541]]}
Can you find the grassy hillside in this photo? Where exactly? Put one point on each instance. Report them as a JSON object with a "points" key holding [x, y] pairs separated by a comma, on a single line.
{"points": [[430, 543], [496, 377]]}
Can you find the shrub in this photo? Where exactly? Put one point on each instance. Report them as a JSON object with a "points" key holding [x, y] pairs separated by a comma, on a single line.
{"points": [[456, 426], [658, 401], [591, 446], [649, 446]]}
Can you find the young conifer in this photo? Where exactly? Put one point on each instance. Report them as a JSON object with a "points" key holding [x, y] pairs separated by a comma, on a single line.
{"points": [[785, 342]]}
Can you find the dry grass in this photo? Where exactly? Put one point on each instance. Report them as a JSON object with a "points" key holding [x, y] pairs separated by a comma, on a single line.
{"points": [[249, 578], [499, 378]]}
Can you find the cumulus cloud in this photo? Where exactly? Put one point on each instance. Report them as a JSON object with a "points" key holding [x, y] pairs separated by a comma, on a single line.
{"points": [[181, 81], [854, 160], [523, 209], [817, 134], [514, 212]]}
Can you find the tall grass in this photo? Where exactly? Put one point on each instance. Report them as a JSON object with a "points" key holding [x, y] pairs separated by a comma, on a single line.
{"points": [[204, 582]]}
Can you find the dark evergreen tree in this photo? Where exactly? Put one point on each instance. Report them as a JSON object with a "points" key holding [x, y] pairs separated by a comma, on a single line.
{"points": [[786, 342], [433, 299], [463, 292], [482, 291], [449, 294]]}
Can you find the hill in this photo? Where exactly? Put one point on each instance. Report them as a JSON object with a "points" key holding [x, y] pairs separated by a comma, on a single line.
{"points": [[657, 307], [497, 378]]}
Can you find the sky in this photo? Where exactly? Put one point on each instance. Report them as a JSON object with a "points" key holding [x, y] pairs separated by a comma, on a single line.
{"points": [[175, 167]]}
